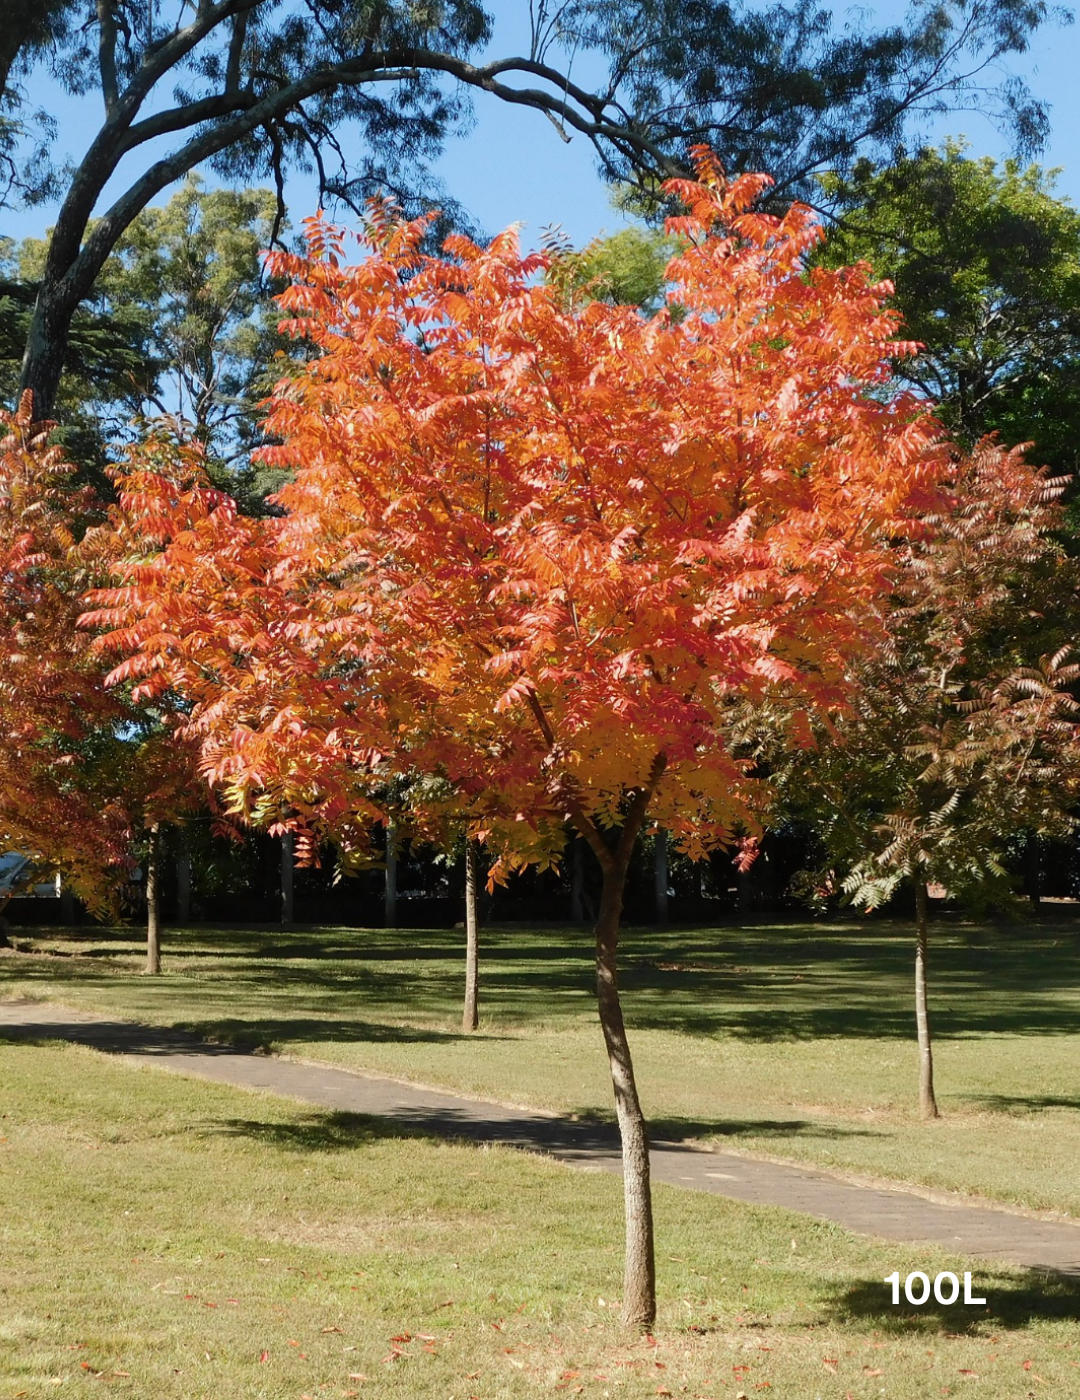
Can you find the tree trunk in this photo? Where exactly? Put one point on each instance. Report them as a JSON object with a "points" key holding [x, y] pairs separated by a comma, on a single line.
{"points": [[639, 1286], [927, 1102], [183, 886], [287, 866], [1033, 868], [67, 904], [470, 1018], [43, 362], [153, 901], [390, 894], [660, 871]]}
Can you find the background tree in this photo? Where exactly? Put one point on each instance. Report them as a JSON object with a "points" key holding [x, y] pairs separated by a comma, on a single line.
{"points": [[963, 729], [57, 723], [86, 779], [986, 266], [252, 87], [534, 549], [181, 321]]}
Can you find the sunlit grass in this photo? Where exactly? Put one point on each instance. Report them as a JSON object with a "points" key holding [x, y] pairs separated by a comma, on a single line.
{"points": [[795, 1041], [171, 1238]]}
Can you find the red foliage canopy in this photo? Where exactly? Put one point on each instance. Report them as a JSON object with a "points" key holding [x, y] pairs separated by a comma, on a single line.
{"points": [[534, 549]]}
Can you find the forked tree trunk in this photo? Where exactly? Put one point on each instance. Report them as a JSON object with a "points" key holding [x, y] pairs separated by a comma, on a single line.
{"points": [[288, 862], [639, 1284], [470, 1018], [927, 1102], [153, 900]]}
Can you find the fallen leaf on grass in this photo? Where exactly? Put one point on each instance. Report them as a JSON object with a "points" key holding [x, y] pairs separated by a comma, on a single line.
{"points": [[264, 1356], [873, 1371], [325, 1330]]}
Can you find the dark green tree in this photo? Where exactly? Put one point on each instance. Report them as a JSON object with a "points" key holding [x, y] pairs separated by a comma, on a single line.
{"points": [[986, 266], [180, 321], [366, 91]]}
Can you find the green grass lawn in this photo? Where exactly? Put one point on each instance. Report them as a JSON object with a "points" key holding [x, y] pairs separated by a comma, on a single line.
{"points": [[795, 1041], [169, 1238]]}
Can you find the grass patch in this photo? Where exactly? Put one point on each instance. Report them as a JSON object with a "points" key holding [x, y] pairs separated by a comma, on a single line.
{"points": [[795, 1041], [172, 1238]]}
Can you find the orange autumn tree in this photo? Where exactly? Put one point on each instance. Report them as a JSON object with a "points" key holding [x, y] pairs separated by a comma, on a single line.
{"points": [[56, 717], [534, 549]]}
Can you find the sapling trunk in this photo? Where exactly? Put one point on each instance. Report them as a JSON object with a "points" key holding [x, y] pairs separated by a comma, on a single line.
{"points": [[390, 888], [639, 1286], [660, 873], [153, 900], [927, 1102], [470, 1018], [183, 886], [288, 861]]}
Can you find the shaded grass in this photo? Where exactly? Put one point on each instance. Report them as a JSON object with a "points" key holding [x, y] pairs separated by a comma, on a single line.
{"points": [[795, 1041], [174, 1238]]}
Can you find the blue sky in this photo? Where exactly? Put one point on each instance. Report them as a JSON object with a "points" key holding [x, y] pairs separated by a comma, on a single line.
{"points": [[513, 166]]}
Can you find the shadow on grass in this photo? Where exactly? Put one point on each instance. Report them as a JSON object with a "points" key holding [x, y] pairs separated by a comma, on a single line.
{"points": [[673, 1131], [1011, 1301], [1028, 1103], [571, 1139], [317, 1132], [128, 1038], [769, 984], [269, 1033]]}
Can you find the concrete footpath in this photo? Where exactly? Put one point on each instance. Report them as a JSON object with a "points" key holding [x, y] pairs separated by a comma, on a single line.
{"points": [[888, 1213]]}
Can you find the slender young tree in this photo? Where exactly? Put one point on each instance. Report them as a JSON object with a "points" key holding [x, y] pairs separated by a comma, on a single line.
{"points": [[58, 725], [470, 1016], [962, 730], [535, 548]]}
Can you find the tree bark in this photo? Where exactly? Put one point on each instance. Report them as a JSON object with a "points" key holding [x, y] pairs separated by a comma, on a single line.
{"points": [[927, 1102], [287, 865], [639, 1283], [390, 894], [470, 1018], [153, 900], [660, 871]]}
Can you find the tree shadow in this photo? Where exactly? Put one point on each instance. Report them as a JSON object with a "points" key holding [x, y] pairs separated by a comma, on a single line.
{"points": [[268, 1033], [245, 1037], [1012, 1300], [1028, 1103], [673, 1131], [581, 1138], [316, 1132]]}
